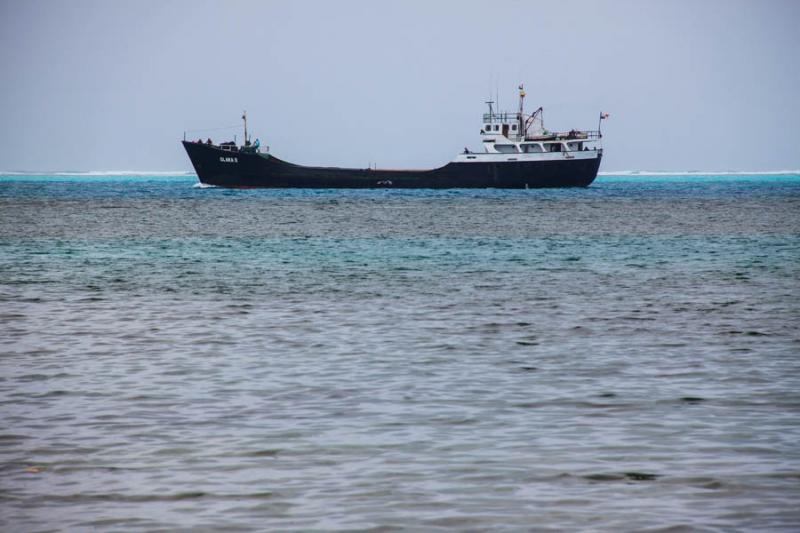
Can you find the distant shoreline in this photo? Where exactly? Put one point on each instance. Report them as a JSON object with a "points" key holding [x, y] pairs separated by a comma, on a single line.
{"points": [[699, 173]]}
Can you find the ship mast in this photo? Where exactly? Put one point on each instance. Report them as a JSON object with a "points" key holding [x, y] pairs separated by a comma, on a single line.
{"points": [[244, 117], [521, 105]]}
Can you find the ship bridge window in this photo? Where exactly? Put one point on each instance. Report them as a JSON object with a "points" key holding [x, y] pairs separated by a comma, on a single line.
{"points": [[513, 127], [497, 127], [506, 148], [532, 148], [553, 147], [487, 127]]}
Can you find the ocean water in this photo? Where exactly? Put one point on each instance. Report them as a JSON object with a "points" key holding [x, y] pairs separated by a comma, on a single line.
{"points": [[619, 358]]}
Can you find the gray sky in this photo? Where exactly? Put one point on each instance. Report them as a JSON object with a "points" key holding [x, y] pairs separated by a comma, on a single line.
{"points": [[106, 85]]}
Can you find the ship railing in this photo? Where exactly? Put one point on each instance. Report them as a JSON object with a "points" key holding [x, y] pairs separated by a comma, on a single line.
{"points": [[572, 135], [500, 117], [231, 146]]}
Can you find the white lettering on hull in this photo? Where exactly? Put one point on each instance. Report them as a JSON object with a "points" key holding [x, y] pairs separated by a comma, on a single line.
{"points": [[228, 160]]}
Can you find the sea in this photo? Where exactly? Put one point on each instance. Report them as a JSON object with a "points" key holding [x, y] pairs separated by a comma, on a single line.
{"points": [[624, 357]]}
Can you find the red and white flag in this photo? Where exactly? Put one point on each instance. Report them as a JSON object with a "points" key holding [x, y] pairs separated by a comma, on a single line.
{"points": [[603, 115]]}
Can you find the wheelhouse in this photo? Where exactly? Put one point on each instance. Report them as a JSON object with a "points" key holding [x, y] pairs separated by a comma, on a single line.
{"points": [[522, 133]]}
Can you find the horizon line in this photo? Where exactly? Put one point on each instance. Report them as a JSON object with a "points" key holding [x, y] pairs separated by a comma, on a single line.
{"points": [[193, 173]]}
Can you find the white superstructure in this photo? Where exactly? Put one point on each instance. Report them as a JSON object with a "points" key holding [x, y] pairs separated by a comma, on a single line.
{"points": [[519, 136]]}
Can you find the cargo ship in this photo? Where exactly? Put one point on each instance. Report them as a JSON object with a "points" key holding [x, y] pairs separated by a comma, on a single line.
{"points": [[517, 153]]}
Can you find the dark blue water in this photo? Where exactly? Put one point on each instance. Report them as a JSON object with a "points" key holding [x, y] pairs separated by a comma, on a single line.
{"points": [[622, 357]]}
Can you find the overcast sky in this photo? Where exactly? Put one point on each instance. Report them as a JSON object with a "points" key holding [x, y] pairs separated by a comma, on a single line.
{"points": [[112, 85]]}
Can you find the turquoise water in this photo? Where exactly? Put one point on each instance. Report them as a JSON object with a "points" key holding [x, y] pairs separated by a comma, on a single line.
{"points": [[622, 357]]}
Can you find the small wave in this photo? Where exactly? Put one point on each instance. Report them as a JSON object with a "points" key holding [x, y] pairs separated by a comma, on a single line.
{"points": [[201, 185], [622, 476]]}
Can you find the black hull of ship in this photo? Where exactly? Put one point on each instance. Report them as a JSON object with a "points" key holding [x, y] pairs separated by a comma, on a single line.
{"points": [[224, 168]]}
